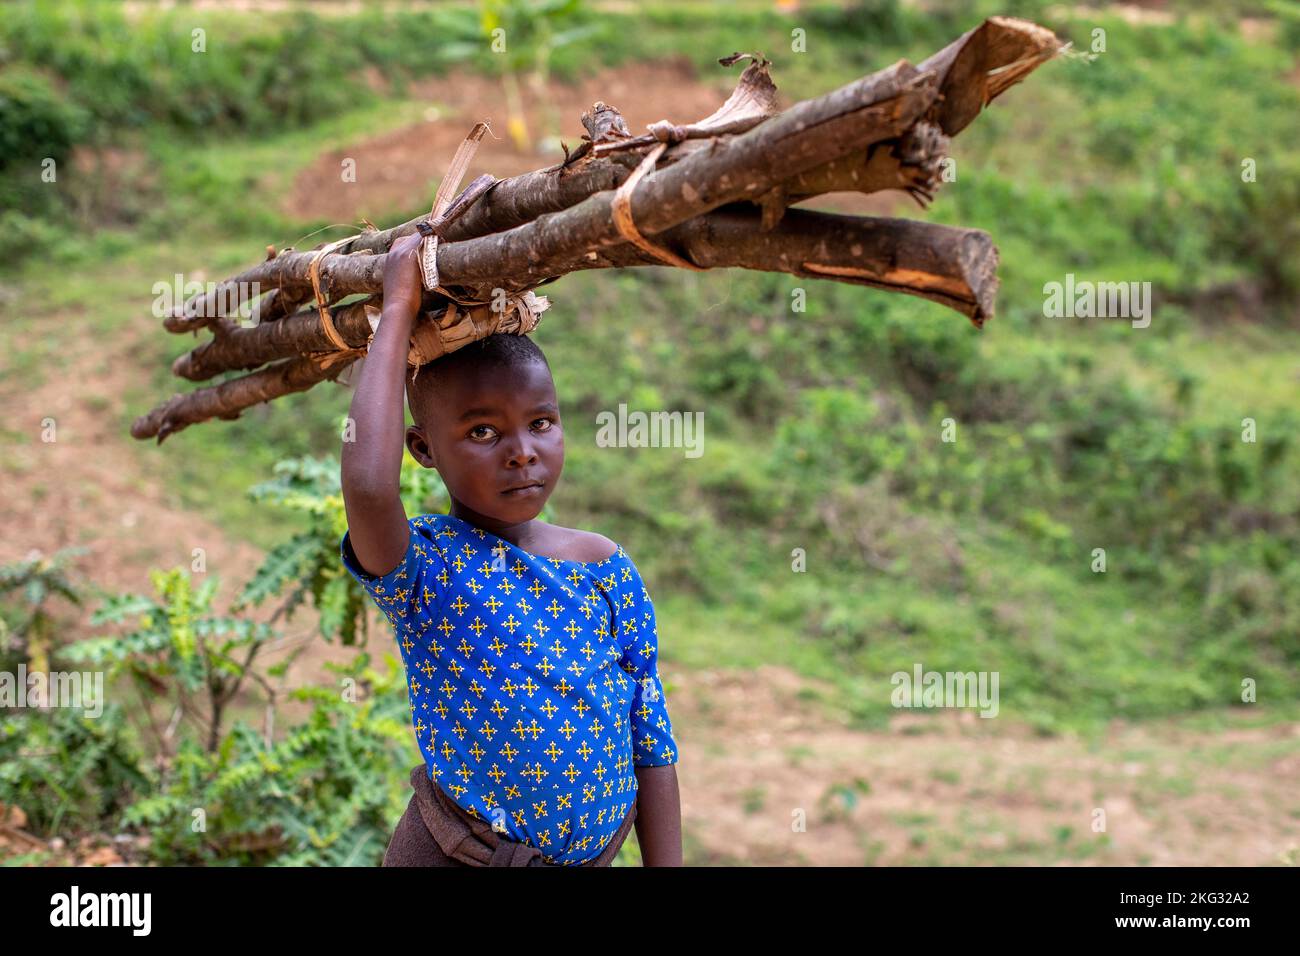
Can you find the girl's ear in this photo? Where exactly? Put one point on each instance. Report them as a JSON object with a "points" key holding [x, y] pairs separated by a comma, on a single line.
{"points": [[419, 447]]}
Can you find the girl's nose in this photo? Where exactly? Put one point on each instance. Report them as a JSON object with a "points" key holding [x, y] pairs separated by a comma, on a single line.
{"points": [[522, 453]]}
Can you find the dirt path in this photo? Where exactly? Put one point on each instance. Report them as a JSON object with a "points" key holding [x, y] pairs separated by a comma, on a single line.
{"points": [[938, 790], [396, 170], [89, 488], [86, 488]]}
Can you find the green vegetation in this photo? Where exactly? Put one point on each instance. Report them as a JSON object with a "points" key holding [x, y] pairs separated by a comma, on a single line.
{"points": [[824, 428]]}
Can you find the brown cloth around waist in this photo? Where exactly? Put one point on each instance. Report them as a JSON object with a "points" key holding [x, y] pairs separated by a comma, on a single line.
{"points": [[436, 831]]}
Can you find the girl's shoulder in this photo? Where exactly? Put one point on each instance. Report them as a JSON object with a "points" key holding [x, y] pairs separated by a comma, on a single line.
{"points": [[573, 545], [582, 547]]}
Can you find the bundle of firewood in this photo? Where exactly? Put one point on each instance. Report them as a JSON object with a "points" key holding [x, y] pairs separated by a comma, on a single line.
{"points": [[709, 195]]}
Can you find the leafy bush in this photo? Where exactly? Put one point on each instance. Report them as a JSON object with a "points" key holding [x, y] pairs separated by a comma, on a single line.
{"points": [[130, 70], [35, 121], [308, 564], [326, 794], [69, 771], [27, 630], [175, 642]]}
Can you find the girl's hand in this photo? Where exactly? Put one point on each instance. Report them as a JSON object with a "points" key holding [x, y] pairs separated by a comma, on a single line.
{"points": [[403, 284]]}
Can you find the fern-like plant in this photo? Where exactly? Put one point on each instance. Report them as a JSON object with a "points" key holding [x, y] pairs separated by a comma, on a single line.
{"points": [[27, 628], [326, 794], [174, 647], [308, 564]]}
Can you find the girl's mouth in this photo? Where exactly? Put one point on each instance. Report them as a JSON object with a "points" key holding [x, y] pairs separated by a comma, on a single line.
{"points": [[527, 491]]}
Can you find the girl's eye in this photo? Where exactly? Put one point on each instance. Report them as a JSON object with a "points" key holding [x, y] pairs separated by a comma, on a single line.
{"points": [[545, 424], [478, 428]]}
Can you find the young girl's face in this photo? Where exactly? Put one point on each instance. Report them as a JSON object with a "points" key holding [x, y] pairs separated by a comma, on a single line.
{"points": [[496, 440]]}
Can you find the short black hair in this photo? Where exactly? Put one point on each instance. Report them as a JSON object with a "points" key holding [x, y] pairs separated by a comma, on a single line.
{"points": [[501, 350]]}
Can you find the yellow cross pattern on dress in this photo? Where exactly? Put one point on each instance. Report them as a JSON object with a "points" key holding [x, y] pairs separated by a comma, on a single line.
{"points": [[544, 697]]}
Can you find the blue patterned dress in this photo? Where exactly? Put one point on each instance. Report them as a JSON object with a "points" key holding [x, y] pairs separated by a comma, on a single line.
{"points": [[533, 681]]}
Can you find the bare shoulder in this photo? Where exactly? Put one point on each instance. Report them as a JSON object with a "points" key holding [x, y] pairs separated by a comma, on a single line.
{"points": [[574, 544]]}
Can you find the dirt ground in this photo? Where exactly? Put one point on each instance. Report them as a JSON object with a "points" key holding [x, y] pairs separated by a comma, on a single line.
{"points": [[769, 778], [406, 163], [90, 488]]}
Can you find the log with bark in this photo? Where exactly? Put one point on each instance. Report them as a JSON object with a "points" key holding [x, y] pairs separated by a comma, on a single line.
{"points": [[712, 194]]}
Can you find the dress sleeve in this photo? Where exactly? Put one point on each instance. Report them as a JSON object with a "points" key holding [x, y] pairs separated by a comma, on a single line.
{"points": [[653, 744], [414, 588]]}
